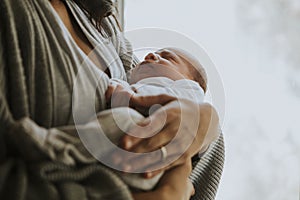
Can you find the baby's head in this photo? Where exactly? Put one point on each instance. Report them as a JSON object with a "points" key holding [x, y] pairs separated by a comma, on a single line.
{"points": [[173, 63]]}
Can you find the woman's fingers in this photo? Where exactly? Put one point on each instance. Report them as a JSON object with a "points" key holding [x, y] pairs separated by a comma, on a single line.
{"points": [[156, 169], [153, 143], [151, 126], [156, 160], [152, 174], [148, 101], [167, 127], [175, 140], [140, 135], [191, 189]]}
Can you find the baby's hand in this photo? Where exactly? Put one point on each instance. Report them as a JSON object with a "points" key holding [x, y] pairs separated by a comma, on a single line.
{"points": [[118, 95]]}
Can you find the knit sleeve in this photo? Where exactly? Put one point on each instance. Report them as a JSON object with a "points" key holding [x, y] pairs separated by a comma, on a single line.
{"points": [[121, 44], [49, 164], [39, 162]]}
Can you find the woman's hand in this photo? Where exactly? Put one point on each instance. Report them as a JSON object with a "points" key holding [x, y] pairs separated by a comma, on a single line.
{"points": [[174, 185], [181, 126]]}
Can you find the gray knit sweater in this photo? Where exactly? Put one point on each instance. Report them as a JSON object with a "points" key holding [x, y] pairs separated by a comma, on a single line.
{"points": [[41, 156]]}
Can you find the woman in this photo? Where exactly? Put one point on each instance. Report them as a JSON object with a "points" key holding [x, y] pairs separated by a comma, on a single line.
{"points": [[43, 46]]}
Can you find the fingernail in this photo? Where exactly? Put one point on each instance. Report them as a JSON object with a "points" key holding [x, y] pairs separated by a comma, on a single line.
{"points": [[146, 121], [128, 144], [127, 168], [149, 175]]}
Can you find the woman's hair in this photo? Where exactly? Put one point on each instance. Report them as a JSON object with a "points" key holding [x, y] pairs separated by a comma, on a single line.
{"points": [[97, 10]]}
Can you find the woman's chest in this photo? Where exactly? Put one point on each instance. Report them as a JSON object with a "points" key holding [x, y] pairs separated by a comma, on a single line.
{"points": [[77, 34]]}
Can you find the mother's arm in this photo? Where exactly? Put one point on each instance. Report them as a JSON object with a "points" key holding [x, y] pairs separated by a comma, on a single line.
{"points": [[187, 128], [174, 185]]}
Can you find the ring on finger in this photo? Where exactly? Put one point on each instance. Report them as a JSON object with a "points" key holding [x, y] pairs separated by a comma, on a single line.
{"points": [[164, 153]]}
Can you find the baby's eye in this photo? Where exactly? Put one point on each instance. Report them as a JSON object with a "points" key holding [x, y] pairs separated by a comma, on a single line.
{"points": [[168, 55]]}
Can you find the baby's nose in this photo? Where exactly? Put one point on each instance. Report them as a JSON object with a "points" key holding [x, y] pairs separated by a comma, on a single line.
{"points": [[152, 56]]}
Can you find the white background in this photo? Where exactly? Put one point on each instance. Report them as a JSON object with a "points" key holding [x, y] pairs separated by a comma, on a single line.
{"points": [[254, 45]]}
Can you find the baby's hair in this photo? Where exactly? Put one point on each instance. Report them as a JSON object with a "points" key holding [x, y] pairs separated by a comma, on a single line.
{"points": [[199, 75], [197, 71]]}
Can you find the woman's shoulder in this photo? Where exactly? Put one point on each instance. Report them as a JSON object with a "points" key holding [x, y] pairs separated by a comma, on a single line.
{"points": [[111, 26], [113, 31]]}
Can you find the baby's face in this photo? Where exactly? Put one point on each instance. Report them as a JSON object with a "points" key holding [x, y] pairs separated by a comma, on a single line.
{"points": [[162, 63]]}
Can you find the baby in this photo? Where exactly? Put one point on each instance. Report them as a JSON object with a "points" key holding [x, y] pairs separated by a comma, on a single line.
{"points": [[169, 71]]}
